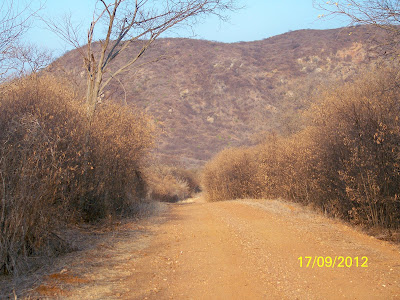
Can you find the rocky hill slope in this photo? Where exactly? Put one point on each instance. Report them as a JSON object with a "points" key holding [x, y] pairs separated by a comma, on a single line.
{"points": [[207, 95]]}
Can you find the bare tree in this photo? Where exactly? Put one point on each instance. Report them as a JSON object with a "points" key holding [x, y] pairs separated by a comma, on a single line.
{"points": [[122, 25], [128, 22], [15, 20], [381, 13]]}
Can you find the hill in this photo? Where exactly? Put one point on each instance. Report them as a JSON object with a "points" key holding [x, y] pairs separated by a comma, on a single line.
{"points": [[207, 95]]}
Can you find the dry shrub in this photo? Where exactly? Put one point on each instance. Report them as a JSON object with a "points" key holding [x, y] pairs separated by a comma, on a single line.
{"points": [[231, 174], [346, 161], [357, 129], [281, 161], [171, 184], [190, 176], [45, 179], [34, 125], [120, 139]]}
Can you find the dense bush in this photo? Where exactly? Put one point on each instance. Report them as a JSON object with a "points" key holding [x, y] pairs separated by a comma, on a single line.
{"points": [[231, 174], [345, 162], [357, 129], [171, 184], [45, 177], [120, 139]]}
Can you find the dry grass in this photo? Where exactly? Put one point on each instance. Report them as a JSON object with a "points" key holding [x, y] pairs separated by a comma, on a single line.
{"points": [[100, 248]]}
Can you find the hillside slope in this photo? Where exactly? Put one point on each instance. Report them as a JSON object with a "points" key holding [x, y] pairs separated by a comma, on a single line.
{"points": [[207, 95]]}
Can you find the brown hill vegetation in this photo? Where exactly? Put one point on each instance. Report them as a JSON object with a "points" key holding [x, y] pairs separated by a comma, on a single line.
{"points": [[207, 95]]}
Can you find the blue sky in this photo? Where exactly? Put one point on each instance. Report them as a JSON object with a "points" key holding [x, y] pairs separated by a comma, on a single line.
{"points": [[259, 19]]}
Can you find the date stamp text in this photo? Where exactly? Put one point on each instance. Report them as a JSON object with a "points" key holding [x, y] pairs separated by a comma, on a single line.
{"points": [[333, 262]]}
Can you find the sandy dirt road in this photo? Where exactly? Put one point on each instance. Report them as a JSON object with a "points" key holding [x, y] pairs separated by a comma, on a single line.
{"points": [[232, 250]]}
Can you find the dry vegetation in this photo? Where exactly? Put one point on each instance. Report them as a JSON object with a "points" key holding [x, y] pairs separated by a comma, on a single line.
{"points": [[46, 181], [342, 159], [207, 95], [171, 183], [231, 175], [345, 161]]}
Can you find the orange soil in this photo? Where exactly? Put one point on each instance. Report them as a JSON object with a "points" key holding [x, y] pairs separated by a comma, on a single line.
{"points": [[238, 250]]}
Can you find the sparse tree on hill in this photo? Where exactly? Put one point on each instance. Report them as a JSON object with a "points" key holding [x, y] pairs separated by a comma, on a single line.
{"points": [[127, 22], [118, 25], [381, 13]]}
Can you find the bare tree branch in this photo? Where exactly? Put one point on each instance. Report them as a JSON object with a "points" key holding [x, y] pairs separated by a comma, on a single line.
{"points": [[125, 22], [381, 13], [128, 21], [15, 20]]}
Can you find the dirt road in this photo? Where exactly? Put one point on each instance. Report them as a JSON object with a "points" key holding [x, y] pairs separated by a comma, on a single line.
{"points": [[233, 250]]}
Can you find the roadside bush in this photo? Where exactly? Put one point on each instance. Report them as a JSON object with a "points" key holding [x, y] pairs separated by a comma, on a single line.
{"points": [[231, 174], [346, 162], [190, 176], [286, 167], [171, 184], [357, 128], [120, 140], [35, 118], [45, 179]]}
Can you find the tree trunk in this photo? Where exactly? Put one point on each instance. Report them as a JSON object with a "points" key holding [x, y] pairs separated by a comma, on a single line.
{"points": [[92, 94]]}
